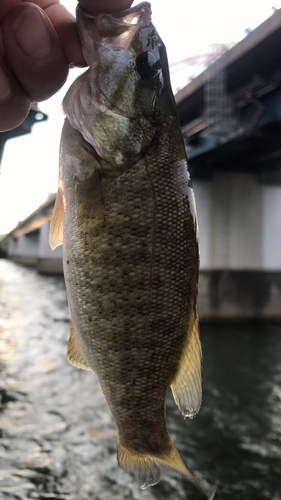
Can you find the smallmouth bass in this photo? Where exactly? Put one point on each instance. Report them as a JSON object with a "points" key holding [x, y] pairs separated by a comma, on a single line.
{"points": [[125, 213]]}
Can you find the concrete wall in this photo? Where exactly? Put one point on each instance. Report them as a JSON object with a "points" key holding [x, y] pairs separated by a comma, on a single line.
{"points": [[33, 249], [239, 223], [271, 222], [49, 261], [27, 248], [12, 247], [240, 247]]}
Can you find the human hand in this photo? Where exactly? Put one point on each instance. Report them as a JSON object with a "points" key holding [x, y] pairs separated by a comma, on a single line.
{"points": [[39, 43]]}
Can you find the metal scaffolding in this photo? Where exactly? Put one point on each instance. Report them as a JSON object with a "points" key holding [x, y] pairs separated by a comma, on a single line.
{"points": [[216, 103]]}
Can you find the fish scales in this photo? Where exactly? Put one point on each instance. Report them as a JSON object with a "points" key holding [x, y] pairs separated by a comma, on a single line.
{"points": [[130, 240]]}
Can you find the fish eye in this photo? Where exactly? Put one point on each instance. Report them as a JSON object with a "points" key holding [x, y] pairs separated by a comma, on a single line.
{"points": [[147, 65]]}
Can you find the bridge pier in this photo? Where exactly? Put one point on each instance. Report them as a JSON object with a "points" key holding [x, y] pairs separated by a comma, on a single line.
{"points": [[240, 247], [27, 246], [33, 249], [48, 262], [12, 247]]}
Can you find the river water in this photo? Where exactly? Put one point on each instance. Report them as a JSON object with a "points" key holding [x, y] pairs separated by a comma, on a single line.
{"points": [[58, 439]]}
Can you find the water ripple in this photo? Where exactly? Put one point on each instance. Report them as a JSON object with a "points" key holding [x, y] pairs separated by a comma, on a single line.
{"points": [[58, 439]]}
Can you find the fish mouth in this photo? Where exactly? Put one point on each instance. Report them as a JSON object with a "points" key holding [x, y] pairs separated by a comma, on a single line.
{"points": [[116, 29], [138, 16], [97, 103]]}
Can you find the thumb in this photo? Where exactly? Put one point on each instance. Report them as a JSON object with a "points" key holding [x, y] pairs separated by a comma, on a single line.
{"points": [[95, 7], [34, 51]]}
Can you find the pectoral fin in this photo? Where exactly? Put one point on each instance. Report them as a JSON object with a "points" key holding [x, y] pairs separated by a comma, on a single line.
{"points": [[187, 384], [75, 353], [56, 224]]}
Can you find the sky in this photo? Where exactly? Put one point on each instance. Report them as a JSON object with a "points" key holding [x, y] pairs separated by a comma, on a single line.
{"points": [[29, 170]]}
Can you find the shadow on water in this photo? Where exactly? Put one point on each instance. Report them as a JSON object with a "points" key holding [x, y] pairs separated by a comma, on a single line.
{"points": [[57, 437]]}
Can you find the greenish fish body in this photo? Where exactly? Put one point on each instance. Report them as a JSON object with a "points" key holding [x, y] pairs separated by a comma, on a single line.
{"points": [[125, 213]]}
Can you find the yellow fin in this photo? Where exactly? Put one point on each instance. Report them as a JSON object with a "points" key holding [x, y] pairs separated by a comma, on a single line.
{"points": [[187, 384], [56, 224], [75, 353], [148, 468]]}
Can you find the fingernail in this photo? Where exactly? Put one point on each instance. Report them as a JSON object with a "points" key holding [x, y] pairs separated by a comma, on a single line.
{"points": [[5, 88], [32, 34]]}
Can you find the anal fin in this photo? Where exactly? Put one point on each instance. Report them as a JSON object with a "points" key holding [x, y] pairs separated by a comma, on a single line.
{"points": [[56, 224], [187, 384], [75, 353]]}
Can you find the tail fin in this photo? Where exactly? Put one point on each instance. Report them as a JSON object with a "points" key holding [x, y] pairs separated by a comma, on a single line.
{"points": [[148, 468]]}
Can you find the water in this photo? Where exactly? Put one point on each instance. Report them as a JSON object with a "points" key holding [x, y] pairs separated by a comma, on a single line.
{"points": [[58, 440]]}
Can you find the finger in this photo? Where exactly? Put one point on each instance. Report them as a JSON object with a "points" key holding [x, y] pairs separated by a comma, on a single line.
{"points": [[63, 22], [66, 29], [6, 5], [95, 7], [14, 102], [34, 51], [2, 52]]}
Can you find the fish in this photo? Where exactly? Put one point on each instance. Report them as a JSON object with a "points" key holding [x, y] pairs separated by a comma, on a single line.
{"points": [[125, 213]]}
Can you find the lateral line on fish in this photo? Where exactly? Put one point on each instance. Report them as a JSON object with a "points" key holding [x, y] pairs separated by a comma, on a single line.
{"points": [[152, 242]]}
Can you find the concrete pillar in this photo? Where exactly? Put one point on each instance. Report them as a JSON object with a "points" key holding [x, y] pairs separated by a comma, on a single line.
{"points": [[240, 247], [271, 242], [27, 248], [49, 262], [12, 247], [236, 241], [203, 198]]}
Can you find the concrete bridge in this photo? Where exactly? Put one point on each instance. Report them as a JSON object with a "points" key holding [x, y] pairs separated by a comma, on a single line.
{"points": [[231, 121], [28, 243]]}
